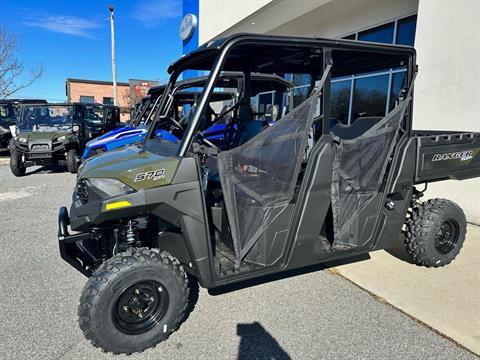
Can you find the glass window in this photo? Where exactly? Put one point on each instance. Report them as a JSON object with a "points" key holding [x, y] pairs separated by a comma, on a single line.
{"points": [[94, 115], [254, 104], [398, 83], [301, 79], [340, 100], [406, 31], [264, 102], [370, 96], [380, 34], [87, 99], [108, 101], [350, 37], [299, 95]]}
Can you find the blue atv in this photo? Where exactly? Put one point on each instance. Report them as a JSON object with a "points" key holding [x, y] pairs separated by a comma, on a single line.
{"points": [[146, 111]]}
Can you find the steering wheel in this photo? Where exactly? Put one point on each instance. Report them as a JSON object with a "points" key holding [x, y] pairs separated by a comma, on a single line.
{"points": [[175, 123], [207, 142]]}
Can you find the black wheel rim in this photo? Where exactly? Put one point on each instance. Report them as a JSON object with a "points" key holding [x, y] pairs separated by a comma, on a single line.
{"points": [[140, 307], [446, 238]]}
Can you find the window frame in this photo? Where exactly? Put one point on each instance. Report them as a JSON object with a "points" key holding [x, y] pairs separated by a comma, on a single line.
{"points": [[87, 96], [108, 97], [391, 72]]}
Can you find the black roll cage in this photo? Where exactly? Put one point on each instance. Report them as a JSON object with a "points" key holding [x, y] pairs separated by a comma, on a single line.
{"points": [[224, 46]]}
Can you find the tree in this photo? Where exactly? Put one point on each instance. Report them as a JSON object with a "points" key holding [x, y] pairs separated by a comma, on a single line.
{"points": [[11, 69]]}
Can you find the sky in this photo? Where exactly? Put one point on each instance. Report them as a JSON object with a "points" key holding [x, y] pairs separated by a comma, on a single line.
{"points": [[71, 39]]}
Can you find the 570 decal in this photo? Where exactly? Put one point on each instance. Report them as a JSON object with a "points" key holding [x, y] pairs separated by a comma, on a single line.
{"points": [[150, 175]]}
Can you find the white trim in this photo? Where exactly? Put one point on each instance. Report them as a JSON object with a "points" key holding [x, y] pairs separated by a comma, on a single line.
{"points": [[350, 102], [389, 91], [395, 30]]}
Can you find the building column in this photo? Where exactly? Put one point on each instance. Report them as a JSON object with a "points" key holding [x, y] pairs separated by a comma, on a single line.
{"points": [[447, 89]]}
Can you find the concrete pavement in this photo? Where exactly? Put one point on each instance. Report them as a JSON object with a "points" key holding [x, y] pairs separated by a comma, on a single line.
{"points": [[315, 315], [446, 299]]}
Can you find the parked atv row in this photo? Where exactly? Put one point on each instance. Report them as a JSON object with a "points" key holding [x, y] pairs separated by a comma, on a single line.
{"points": [[151, 220], [51, 134], [8, 116]]}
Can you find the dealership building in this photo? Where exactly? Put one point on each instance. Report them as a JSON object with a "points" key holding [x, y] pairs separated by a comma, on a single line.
{"points": [[445, 33], [101, 92]]}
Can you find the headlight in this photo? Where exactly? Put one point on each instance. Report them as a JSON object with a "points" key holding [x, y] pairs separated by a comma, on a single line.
{"points": [[22, 140], [61, 138], [110, 187]]}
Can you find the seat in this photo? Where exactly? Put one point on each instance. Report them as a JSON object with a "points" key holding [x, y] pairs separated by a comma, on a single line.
{"points": [[250, 129], [358, 128]]}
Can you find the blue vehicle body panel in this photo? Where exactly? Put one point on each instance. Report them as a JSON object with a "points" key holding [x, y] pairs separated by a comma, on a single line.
{"points": [[115, 139], [129, 135]]}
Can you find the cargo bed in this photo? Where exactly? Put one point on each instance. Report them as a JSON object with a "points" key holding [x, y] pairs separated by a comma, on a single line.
{"points": [[443, 155]]}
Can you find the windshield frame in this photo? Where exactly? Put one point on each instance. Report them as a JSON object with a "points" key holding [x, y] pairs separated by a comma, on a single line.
{"points": [[23, 108]]}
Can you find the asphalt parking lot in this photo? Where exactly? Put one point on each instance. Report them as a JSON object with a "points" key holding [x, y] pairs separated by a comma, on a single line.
{"points": [[317, 315]]}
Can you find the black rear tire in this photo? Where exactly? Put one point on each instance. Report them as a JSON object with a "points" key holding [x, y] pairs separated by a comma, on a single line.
{"points": [[72, 158], [133, 301], [435, 232], [16, 164]]}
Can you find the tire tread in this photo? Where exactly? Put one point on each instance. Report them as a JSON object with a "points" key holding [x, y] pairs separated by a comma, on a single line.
{"points": [[113, 268], [422, 222]]}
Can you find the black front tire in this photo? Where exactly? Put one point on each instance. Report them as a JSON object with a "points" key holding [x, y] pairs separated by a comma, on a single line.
{"points": [[16, 164], [109, 310], [435, 232], [72, 161]]}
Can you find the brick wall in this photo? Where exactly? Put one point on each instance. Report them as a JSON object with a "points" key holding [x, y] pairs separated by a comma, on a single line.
{"points": [[99, 91]]}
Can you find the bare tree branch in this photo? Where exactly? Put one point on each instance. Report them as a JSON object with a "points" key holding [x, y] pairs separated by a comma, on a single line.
{"points": [[11, 69]]}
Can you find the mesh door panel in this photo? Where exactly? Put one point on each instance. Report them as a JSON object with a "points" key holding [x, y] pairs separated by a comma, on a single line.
{"points": [[359, 167], [259, 177]]}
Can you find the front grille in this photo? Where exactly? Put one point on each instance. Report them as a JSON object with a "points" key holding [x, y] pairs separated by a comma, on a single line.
{"points": [[81, 191], [41, 147], [39, 155]]}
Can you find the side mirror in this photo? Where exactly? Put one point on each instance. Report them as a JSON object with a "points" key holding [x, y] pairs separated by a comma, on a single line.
{"points": [[76, 128]]}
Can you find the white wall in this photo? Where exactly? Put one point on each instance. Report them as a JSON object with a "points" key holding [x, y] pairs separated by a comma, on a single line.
{"points": [[342, 17], [218, 15], [447, 89], [326, 18]]}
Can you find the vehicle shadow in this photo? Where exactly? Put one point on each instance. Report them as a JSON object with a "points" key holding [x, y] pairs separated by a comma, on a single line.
{"points": [[399, 251], [51, 169], [257, 343]]}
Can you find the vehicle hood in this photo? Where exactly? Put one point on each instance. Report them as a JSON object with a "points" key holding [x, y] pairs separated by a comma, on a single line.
{"points": [[120, 133], [4, 129], [47, 135], [6, 122], [133, 166]]}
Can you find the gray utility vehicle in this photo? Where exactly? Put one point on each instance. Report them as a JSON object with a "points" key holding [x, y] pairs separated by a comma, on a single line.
{"points": [[56, 133], [150, 222], [8, 116]]}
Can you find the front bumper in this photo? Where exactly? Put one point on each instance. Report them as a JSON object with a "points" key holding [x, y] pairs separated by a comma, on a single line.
{"points": [[75, 248], [42, 152]]}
